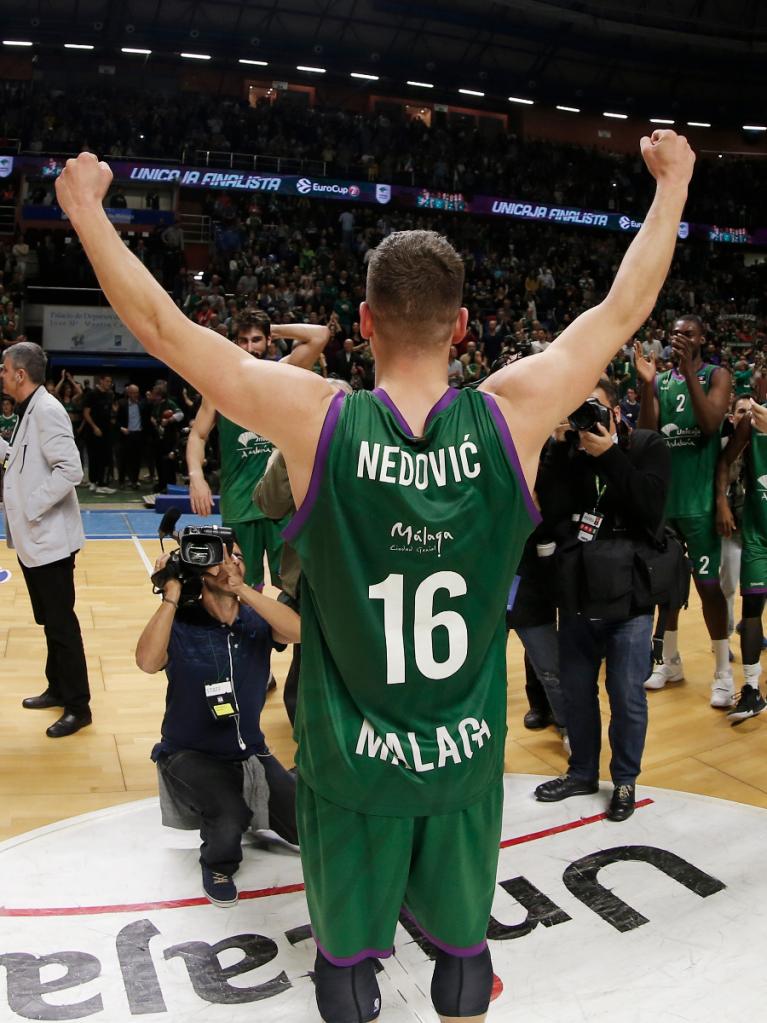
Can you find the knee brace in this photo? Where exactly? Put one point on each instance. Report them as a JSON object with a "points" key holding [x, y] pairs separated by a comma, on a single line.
{"points": [[462, 985], [346, 994]]}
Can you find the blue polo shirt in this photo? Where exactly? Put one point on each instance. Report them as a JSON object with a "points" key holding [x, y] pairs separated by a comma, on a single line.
{"points": [[203, 650]]}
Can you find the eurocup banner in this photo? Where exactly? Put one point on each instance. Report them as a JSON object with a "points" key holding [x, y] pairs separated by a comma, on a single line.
{"points": [[375, 193]]}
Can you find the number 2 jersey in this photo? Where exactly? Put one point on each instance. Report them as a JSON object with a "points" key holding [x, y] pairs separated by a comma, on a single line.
{"points": [[408, 548], [693, 454]]}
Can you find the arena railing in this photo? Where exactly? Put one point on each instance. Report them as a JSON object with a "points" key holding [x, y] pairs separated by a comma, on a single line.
{"points": [[255, 162]]}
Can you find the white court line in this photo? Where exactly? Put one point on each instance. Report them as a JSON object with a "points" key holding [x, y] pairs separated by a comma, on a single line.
{"points": [[142, 554]]}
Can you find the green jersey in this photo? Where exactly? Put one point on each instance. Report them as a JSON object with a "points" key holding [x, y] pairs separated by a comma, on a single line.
{"points": [[7, 425], [755, 506], [408, 547], [243, 462], [693, 455]]}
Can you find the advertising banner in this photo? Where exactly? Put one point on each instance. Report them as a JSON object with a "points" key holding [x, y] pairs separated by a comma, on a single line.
{"points": [[382, 194], [81, 329]]}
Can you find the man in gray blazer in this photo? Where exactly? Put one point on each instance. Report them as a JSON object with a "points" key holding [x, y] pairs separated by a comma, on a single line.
{"points": [[43, 525]]}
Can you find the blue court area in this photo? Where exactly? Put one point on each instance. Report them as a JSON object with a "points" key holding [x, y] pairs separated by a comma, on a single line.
{"points": [[122, 525]]}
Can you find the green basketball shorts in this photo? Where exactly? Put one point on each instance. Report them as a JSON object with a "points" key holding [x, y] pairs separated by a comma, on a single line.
{"points": [[753, 565], [256, 537], [704, 545], [361, 870]]}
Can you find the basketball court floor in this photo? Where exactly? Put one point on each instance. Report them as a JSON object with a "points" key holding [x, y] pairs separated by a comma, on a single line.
{"points": [[102, 914]]}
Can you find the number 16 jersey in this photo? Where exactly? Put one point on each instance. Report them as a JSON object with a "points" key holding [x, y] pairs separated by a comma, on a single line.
{"points": [[408, 548]]}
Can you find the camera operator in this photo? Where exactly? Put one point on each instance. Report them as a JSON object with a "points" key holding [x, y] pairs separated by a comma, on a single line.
{"points": [[212, 760], [605, 499]]}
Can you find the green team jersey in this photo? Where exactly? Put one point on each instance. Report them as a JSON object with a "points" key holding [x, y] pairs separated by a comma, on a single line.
{"points": [[408, 547], [693, 455], [7, 425], [243, 462], [755, 506]]}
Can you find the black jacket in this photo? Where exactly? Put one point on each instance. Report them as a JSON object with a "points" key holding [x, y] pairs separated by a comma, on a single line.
{"points": [[607, 577]]}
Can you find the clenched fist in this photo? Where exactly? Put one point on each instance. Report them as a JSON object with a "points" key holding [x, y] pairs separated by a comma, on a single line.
{"points": [[82, 184], [668, 156]]}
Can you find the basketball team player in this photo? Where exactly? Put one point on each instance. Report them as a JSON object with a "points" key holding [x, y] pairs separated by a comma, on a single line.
{"points": [[750, 437], [402, 711], [688, 404]]}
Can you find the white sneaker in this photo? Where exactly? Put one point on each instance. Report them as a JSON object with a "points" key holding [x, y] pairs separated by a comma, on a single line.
{"points": [[723, 689], [105, 490], [668, 671], [92, 487]]}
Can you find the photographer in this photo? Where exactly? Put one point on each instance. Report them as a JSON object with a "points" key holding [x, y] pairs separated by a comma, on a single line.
{"points": [[604, 498], [212, 760]]}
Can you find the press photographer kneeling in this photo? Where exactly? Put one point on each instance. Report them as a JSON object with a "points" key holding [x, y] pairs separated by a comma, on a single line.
{"points": [[602, 491], [213, 635]]}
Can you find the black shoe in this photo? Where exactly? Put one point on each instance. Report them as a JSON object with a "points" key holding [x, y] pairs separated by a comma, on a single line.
{"points": [[68, 724], [563, 787], [41, 702], [219, 889], [750, 703], [536, 719], [622, 804]]}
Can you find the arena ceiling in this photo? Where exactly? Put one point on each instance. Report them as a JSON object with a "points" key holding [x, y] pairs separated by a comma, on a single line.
{"points": [[690, 58]]}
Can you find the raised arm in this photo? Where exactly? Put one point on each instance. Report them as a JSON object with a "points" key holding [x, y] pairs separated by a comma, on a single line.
{"points": [[649, 406], [309, 338], [278, 401], [535, 393]]}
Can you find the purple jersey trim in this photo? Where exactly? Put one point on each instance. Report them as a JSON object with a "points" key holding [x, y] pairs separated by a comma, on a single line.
{"points": [[366, 953], [296, 524], [447, 398], [705, 582], [503, 429], [753, 591], [383, 397], [453, 950]]}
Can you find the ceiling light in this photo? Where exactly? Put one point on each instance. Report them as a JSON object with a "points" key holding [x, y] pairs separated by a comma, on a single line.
{"points": [[422, 85], [77, 46], [313, 70], [261, 63], [755, 127], [130, 49], [620, 117], [470, 92], [698, 124], [16, 42], [660, 120], [195, 56], [367, 78], [516, 99], [570, 110]]}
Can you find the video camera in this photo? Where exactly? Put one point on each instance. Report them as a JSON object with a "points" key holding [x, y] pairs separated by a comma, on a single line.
{"points": [[199, 548]]}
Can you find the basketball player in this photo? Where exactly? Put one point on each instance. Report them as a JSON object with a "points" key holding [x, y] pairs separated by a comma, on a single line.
{"points": [[402, 713], [751, 434], [244, 454], [688, 404]]}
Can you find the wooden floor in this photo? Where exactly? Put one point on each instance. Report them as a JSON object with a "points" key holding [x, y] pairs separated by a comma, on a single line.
{"points": [[690, 746]]}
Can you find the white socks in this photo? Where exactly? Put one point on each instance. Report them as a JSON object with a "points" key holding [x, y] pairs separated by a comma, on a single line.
{"points": [[670, 645], [751, 674], [722, 655]]}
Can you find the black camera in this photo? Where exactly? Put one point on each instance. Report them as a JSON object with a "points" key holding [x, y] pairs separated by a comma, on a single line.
{"points": [[589, 416], [199, 548]]}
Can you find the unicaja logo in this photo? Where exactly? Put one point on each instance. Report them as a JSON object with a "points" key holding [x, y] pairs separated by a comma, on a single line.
{"points": [[303, 185]]}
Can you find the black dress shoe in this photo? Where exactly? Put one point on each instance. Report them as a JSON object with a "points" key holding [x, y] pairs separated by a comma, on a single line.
{"points": [[622, 804], [535, 719], [560, 788], [68, 724], [41, 702]]}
